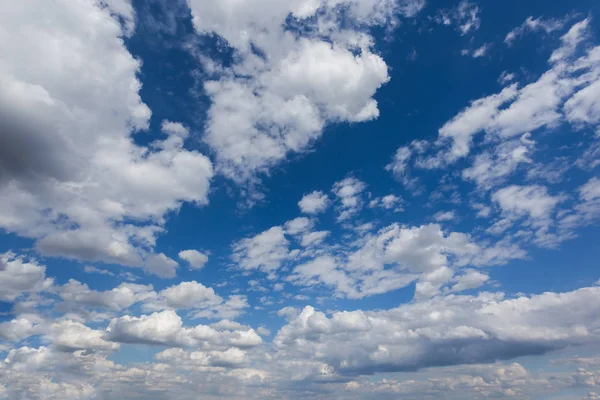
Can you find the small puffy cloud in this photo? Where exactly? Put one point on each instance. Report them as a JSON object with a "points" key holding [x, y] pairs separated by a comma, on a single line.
{"points": [[314, 203], [233, 307], [443, 216], [194, 258], [174, 128], [388, 202], [201, 301], [533, 201], [313, 238], [161, 265], [348, 192], [265, 251], [22, 327], [18, 277], [298, 226], [187, 295], [71, 335], [471, 279]]}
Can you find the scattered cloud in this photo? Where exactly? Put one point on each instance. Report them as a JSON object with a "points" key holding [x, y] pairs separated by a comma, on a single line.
{"points": [[532, 25], [194, 258]]}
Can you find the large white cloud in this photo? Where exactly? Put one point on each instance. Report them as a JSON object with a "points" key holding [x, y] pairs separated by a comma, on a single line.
{"points": [[443, 331], [77, 294], [166, 328], [71, 176], [266, 107], [71, 335]]}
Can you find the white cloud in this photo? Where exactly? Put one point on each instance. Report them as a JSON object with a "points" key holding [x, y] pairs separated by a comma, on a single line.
{"points": [[161, 265], [233, 307], [298, 226], [478, 52], [471, 279], [71, 335], [194, 258], [534, 24], [314, 203], [442, 331], [90, 269], [492, 167], [71, 176], [310, 78], [188, 295], [566, 91], [313, 238], [166, 328], [533, 201], [506, 77], [442, 216], [590, 191], [201, 301], [396, 256], [18, 277], [348, 192], [231, 357], [22, 327], [77, 294], [465, 16], [265, 251], [388, 202], [399, 166], [577, 34], [472, 120], [399, 163]]}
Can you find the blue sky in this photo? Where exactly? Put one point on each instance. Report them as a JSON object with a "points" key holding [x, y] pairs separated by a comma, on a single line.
{"points": [[305, 199]]}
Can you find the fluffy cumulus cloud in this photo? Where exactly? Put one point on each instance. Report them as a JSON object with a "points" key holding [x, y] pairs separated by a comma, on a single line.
{"points": [[77, 294], [449, 330], [313, 73], [194, 258], [71, 176], [19, 276], [314, 202], [166, 328]]}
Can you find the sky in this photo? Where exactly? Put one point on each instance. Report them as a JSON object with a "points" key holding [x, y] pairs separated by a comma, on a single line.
{"points": [[300, 199]]}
